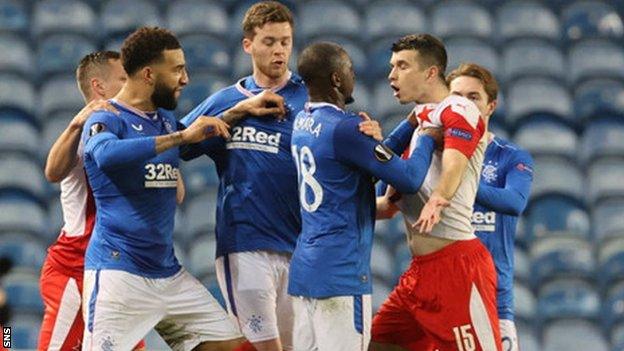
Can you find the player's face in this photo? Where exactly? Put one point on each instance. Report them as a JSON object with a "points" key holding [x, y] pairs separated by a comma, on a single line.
{"points": [[472, 89], [170, 78], [407, 78], [115, 78], [270, 49]]}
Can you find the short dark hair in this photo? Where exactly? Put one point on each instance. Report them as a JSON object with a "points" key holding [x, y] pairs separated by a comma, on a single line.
{"points": [[89, 66], [319, 60], [430, 49], [265, 12], [145, 46], [479, 72]]}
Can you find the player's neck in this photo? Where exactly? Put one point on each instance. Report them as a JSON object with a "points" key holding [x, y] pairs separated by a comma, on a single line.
{"points": [[436, 94], [330, 97], [266, 82], [135, 96]]}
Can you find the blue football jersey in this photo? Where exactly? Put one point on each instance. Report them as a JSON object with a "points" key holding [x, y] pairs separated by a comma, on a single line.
{"points": [[257, 203], [337, 165], [134, 190], [503, 193]]}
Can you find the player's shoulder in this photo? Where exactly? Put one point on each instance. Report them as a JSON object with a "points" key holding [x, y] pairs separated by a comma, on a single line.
{"points": [[511, 150], [455, 104], [106, 117]]}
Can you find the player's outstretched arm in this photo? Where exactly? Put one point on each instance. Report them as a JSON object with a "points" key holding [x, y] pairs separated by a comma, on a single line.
{"points": [[406, 176], [180, 189], [513, 198], [63, 153], [267, 103]]}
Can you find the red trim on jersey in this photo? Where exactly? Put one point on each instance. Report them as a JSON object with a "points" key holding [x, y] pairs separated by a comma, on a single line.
{"points": [[459, 134]]}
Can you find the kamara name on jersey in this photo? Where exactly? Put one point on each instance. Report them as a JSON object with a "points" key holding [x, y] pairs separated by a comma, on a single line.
{"points": [[252, 139], [161, 175], [484, 221], [309, 125]]}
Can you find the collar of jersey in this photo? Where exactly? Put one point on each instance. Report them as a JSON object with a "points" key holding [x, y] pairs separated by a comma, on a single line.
{"points": [[136, 111], [248, 87], [309, 106]]}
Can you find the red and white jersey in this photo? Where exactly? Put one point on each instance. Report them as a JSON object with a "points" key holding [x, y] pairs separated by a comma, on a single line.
{"points": [[464, 130], [67, 253]]}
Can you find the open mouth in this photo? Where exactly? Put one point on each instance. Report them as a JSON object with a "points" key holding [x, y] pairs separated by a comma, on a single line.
{"points": [[395, 88]]}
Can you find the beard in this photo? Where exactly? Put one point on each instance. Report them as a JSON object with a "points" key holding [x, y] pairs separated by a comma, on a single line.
{"points": [[164, 97]]}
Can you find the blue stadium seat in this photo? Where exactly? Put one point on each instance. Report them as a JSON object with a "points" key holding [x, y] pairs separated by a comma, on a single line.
{"points": [[120, 16], [60, 93], [199, 176], [197, 16], [30, 180], [602, 138], [611, 260], [201, 213], [617, 337], [573, 335], [596, 59], [382, 261], [523, 19], [613, 306], [471, 50], [527, 337], [61, 53], [547, 178], [362, 100], [54, 16], [52, 129], [568, 298], [381, 19], [21, 215], [562, 140], [605, 178], [524, 301], [532, 57], [598, 98], [25, 331], [608, 214], [338, 18], [202, 256], [26, 253], [55, 214], [23, 292], [522, 265], [557, 257], [205, 53], [381, 290], [17, 93], [201, 86], [17, 55], [591, 19], [556, 215], [476, 21], [14, 16], [533, 96], [19, 135], [180, 233], [379, 54], [386, 104]]}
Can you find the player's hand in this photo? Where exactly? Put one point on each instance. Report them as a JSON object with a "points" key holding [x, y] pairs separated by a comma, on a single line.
{"points": [[436, 133], [267, 103], [431, 214], [370, 127], [96, 105], [203, 128]]}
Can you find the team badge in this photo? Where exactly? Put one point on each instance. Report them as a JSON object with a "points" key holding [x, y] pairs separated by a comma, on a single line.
{"points": [[489, 173], [96, 128]]}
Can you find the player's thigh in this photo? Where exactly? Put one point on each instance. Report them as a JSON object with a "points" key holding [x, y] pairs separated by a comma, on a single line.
{"points": [[285, 309], [121, 309], [303, 333], [455, 298], [343, 323], [193, 315], [509, 335], [249, 282], [394, 327], [62, 321]]}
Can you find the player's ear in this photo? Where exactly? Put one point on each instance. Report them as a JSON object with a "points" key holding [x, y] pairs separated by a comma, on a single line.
{"points": [[432, 72], [147, 73], [492, 107], [336, 81], [97, 87], [247, 45]]}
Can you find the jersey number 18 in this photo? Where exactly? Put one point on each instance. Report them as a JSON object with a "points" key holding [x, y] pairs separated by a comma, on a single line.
{"points": [[306, 167]]}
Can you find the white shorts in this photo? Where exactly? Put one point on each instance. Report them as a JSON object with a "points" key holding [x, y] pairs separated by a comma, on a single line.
{"points": [[255, 287], [121, 308], [509, 335], [340, 323]]}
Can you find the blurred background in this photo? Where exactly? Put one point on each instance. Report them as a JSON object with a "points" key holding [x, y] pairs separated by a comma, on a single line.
{"points": [[560, 64]]}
